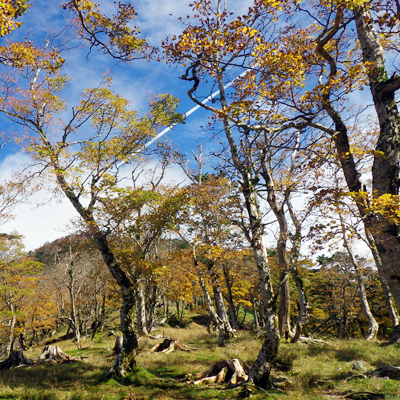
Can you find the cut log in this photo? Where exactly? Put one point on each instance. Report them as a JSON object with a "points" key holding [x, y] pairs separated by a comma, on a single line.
{"points": [[232, 371], [168, 345], [15, 360], [55, 354]]}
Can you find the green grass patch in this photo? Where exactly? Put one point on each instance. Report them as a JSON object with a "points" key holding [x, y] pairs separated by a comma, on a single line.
{"points": [[301, 371]]}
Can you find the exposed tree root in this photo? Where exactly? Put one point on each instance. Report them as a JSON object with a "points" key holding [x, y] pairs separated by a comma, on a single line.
{"points": [[55, 354], [356, 376], [169, 345], [15, 360], [232, 371]]}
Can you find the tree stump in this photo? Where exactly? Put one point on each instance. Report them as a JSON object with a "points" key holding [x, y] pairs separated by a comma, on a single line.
{"points": [[55, 354], [387, 371], [119, 345], [16, 359], [169, 345], [232, 371]]}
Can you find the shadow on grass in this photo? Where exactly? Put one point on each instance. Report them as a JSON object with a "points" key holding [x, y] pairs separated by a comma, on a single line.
{"points": [[49, 375], [349, 355], [76, 381], [317, 349]]}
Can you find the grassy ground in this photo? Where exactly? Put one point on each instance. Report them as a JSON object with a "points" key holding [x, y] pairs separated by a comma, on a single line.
{"points": [[310, 371]]}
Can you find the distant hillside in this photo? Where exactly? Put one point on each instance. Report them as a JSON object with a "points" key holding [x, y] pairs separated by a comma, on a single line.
{"points": [[46, 253]]}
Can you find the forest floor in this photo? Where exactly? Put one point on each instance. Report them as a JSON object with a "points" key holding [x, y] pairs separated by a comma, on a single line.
{"points": [[302, 371]]}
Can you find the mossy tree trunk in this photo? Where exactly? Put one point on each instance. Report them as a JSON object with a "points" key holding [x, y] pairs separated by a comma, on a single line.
{"points": [[260, 370], [127, 285], [385, 169]]}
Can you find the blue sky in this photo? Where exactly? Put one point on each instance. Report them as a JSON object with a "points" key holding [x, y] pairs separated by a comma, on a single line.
{"points": [[45, 218]]}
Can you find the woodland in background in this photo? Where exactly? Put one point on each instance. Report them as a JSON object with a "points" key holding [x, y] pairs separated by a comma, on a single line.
{"points": [[64, 287]]}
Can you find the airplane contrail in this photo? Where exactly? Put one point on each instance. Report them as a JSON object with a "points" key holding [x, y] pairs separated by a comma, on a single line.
{"points": [[191, 111]]}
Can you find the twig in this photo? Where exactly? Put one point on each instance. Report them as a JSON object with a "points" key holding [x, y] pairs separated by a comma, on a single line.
{"points": [[356, 376]]}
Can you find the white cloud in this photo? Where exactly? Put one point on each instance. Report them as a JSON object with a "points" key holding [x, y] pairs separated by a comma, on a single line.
{"points": [[40, 220], [40, 224], [46, 218]]}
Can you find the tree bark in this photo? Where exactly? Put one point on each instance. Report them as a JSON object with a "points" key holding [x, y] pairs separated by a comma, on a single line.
{"points": [[10, 338], [219, 301], [293, 261], [260, 370], [141, 311], [231, 307], [394, 316], [127, 286], [284, 304], [385, 169], [214, 315], [373, 325], [256, 323], [152, 299]]}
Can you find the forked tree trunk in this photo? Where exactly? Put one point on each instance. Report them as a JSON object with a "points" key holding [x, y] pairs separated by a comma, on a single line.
{"points": [[214, 315], [260, 370], [279, 212], [242, 160], [219, 301], [373, 325], [385, 169]]}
